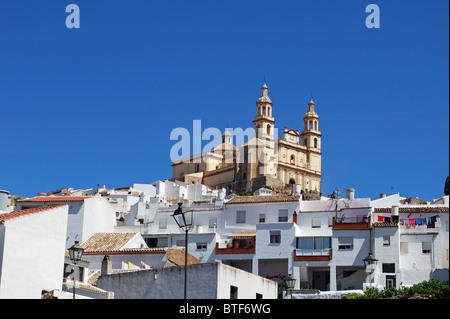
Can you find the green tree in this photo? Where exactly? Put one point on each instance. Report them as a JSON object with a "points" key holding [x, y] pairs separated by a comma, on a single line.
{"points": [[447, 186]]}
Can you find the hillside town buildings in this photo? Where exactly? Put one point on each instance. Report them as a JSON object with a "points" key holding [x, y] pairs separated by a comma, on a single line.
{"points": [[321, 243]]}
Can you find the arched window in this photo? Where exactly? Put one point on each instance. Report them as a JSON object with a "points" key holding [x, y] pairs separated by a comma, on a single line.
{"points": [[292, 181], [305, 142], [310, 125], [315, 142], [292, 159], [268, 128]]}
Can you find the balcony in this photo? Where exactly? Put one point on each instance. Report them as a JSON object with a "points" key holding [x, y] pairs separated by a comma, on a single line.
{"points": [[424, 229], [313, 254], [352, 223], [237, 247]]}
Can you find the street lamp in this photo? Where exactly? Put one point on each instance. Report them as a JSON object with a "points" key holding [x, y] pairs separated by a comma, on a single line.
{"points": [[370, 262], [290, 283], [75, 253], [184, 220]]}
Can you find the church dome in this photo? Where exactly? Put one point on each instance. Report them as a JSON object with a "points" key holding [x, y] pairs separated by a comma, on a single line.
{"points": [[264, 97]]}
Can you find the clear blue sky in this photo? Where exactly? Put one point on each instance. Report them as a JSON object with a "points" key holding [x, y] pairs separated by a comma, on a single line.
{"points": [[96, 105]]}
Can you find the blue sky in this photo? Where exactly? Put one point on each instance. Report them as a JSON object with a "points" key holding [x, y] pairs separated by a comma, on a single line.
{"points": [[96, 105]]}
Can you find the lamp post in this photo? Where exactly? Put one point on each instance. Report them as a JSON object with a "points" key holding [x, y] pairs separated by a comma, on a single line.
{"points": [[75, 253], [290, 283], [184, 220], [370, 263]]}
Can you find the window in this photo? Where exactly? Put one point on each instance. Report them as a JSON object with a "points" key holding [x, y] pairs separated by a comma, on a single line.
{"points": [[275, 237], [292, 159], [158, 242], [233, 292], [262, 218], [426, 247], [386, 240], [388, 268], [345, 243], [403, 247], [316, 222], [282, 215], [181, 243], [202, 246], [163, 224], [313, 242], [240, 216], [390, 281], [212, 222], [330, 221], [315, 142]]}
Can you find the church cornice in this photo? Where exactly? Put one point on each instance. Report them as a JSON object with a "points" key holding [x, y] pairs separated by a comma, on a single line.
{"points": [[310, 133], [299, 169], [265, 119]]}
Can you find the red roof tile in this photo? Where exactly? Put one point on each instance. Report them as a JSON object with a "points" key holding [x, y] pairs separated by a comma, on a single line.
{"points": [[23, 212], [262, 199], [56, 199]]}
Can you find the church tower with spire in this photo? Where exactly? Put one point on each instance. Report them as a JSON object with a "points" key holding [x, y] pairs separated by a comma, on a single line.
{"points": [[264, 122]]}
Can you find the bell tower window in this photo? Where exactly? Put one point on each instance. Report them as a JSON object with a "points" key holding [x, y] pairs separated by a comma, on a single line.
{"points": [[315, 142], [292, 159]]}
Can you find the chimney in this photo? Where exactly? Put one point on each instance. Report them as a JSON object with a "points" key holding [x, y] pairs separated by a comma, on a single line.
{"points": [[394, 214], [350, 193], [106, 266], [294, 217], [382, 195]]}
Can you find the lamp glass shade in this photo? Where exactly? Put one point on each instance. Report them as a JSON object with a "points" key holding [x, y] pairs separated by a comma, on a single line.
{"points": [[76, 251], [183, 217], [290, 282]]}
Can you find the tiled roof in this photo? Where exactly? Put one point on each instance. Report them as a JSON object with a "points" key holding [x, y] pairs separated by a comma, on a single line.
{"points": [[103, 242], [23, 212], [416, 209], [56, 199], [262, 199], [176, 257]]}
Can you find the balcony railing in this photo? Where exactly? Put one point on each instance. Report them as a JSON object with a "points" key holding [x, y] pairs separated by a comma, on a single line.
{"points": [[352, 223], [236, 248], [313, 254]]}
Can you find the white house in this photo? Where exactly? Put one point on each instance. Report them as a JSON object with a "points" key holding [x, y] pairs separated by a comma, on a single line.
{"points": [[411, 242], [87, 214], [32, 248], [204, 281]]}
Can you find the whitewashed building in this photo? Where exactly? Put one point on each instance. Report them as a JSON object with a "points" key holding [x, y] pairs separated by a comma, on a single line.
{"points": [[411, 242], [87, 214], [204, 281], [32, 248]]}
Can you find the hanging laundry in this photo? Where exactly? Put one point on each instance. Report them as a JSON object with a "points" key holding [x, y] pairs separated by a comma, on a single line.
{"points": [[387, 219], [412, 221], [419, 221], [380, 219], [433, 219], [428, 220]]}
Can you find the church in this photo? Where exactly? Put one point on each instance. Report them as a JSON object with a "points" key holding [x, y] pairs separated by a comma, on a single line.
{"points": [[264, 160]]}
